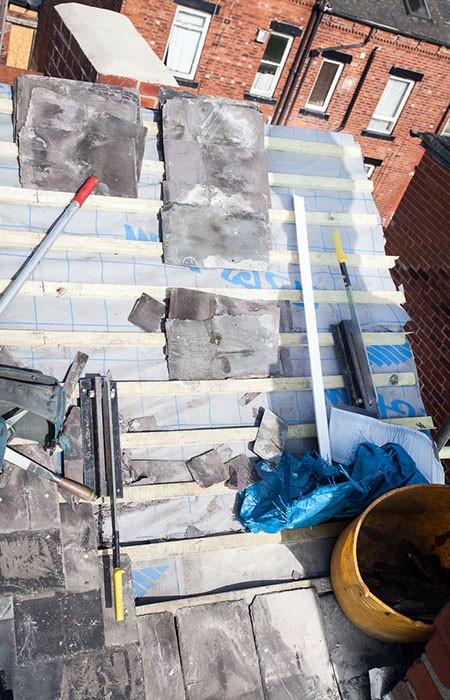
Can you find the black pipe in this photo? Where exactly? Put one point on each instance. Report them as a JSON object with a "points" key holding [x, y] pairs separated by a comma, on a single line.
{"points": [[358, 88], [442, 120], [392, 30], [301, 55], [317, 52]]}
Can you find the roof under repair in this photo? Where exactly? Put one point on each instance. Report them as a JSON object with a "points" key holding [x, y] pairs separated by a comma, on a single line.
{"points": [[220, 612]]}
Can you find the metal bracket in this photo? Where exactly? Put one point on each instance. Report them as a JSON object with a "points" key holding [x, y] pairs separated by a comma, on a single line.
{"points": [[100, 429]]}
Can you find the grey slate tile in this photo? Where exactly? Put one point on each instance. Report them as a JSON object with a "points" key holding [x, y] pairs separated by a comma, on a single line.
{"points": [[271, 436], [224, 346], [13, 499], [161, 663], [108, 675], [210, 237], [147, 313], [291, 646], [218, 652], [7, 641], [79, 542], [209, 468], [212, 120], [31, 562], [58, 625], [158, 471], [67, 130]]}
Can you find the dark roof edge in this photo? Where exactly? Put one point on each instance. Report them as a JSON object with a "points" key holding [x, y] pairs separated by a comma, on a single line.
{"points": [[393, 30], [437, 146]]}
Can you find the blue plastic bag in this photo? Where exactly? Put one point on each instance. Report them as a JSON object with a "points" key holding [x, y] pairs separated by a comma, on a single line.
{"points": [[309, 491]]}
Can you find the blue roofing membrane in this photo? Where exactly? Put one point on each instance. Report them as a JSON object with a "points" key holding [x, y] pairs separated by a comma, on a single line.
{"points": [[70, 313]]}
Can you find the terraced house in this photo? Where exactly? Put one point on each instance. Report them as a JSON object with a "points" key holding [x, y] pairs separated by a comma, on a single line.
{"points": [[378, 70]]}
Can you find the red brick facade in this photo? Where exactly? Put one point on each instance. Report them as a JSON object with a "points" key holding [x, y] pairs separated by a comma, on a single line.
{"points": [[429, 677], [230, 59], [419, 232]]}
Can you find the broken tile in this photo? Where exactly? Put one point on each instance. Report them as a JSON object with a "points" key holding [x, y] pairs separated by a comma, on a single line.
{"points": [[224, 346], [54, 626], [218, 652], [147, 313], [271, 436], [242, 473], [291, 646], [31, 562], [79, 542], [209, 468], [158, 471], [209, 237], [142, 424], [161, 663]]}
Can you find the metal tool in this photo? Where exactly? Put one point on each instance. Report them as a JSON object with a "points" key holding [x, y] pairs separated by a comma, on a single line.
{"points": [[28, 464], [52, 234], [118, 572], [103, 459], [347, 335]]}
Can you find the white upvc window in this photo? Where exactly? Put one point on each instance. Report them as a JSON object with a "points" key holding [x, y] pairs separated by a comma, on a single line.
{"points": [[446, 129], [390, 105], [369, 168], [272, 63], [324, 85], [186, 41]]}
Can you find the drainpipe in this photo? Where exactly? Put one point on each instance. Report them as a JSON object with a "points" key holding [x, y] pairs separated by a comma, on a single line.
{"points": [[299, 61], [358, 88], [318, 52], [443, 119]]}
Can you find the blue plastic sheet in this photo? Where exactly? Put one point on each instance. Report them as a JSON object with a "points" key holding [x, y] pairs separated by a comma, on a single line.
{"points": [[308, 491]]}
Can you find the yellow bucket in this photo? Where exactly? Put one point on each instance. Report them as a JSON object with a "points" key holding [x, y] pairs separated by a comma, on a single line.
{"points": [[419, 514]]}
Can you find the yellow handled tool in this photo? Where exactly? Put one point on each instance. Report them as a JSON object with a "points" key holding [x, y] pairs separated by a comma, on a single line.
{"points": [[118, 592], [341, 256]]}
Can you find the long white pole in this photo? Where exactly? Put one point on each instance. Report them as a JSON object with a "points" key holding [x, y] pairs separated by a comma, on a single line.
{"points": [[320, 409], [52, 234]]}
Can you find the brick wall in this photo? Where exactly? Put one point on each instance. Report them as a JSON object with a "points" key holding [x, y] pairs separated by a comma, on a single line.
{"points": [[231, 57], [419, 233], [423, 110], [429, 677], [47, 18], [66, 58]]}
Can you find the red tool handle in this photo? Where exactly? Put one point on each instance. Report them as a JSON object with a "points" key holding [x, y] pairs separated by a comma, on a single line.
{"points": [[85, 190]]}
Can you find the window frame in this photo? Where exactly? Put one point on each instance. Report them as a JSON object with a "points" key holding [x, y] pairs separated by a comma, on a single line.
{"points": [[279, 70], [331, 89], [395, 118], [411, 12], [207, 17], [446, 130], [370, 169]]}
